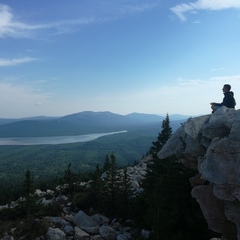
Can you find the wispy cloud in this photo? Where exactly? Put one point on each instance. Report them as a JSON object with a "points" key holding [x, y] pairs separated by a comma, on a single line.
{"points": [[8, 25], [15, 61], [11, 27], [136, 8], [217, 69], [182, 9]]}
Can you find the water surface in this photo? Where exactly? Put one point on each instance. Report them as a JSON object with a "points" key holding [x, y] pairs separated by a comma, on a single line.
{"points": [[53, 140]]}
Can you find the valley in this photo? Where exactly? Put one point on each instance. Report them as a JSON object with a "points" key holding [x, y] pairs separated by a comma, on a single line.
{"points": [[49, 161]]}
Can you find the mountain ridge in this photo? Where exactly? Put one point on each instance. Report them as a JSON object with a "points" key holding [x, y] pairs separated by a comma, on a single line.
{"points": [[85, 122]]}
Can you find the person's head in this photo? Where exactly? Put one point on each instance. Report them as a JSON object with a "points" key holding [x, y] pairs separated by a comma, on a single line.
{"points": [[226, 88]]}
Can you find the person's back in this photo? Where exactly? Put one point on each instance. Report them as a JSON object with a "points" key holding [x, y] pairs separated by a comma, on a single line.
{"points": [[228, 100]]}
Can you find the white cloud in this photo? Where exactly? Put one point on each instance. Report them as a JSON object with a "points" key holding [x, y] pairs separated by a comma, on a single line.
{"points": [[10, 27], [181, 9], [136, 8], [15, 61]]}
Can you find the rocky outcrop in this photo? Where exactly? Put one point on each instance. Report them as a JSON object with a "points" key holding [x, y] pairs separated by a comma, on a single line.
{"points": [[211, 144], [79, 226]]}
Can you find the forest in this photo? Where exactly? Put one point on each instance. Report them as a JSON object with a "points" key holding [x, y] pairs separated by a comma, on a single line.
{"points": [[167, 209], [48, 162]]}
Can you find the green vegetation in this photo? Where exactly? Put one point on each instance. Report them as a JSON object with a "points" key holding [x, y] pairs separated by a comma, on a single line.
{"points": [[165, 207], [47, 162], [168, 210], [163, 136]]}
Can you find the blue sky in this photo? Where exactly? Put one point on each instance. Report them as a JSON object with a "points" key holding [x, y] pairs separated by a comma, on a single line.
{"points": [[147, 56]]}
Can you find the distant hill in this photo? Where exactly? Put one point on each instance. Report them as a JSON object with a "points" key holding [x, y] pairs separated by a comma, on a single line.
{"points": [[143, 117], [179, 117], [50, 160], [81, 123], [11, 120]]}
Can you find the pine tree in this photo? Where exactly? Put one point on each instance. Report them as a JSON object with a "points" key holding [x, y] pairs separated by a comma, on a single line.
{"points": [[107, 163], [28, 183], [97, 183], [28, 206], [170, 209], [125, 192], [68, 174], [111, 184], [163, 136]]}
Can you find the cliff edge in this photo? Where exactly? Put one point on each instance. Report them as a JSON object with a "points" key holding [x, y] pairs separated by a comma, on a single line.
{"points": [[211, 144]]}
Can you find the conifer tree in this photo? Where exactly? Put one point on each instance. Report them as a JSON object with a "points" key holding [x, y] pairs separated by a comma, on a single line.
{"points": [[28, 206], [107, 163], [163, 136], [170, 210], [126, 184], [112, 178], [28, 183], [97, 183], [111, 183], [125, 192], [68, 174]]}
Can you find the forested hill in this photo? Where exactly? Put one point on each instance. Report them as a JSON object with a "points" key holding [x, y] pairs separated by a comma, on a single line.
{"points": [[81, 123]]}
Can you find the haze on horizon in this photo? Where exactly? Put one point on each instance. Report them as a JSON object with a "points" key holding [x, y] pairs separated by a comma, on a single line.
{"points": [[146, 56]]}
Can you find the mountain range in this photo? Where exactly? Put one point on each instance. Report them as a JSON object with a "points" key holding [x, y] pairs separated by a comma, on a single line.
{"points": [[82, 123], [47, 161]]}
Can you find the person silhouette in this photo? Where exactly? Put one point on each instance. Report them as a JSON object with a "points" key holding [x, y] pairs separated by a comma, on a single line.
{"points": [[228, 100]]}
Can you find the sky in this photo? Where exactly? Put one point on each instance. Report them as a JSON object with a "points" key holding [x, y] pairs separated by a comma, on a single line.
{"points": [[148, 56]]}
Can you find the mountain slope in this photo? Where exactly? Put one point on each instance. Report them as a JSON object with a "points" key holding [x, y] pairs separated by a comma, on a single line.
{"points": [[78, 123], [142, 117]]}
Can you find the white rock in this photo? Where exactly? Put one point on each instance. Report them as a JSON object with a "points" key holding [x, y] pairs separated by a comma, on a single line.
{"points": [[80, 234], [55, 234]]}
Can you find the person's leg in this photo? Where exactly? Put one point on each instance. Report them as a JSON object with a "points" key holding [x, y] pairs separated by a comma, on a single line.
{"points": [[214, 108]]}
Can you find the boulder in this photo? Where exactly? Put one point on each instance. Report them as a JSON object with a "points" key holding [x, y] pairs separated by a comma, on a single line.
{"points": [[185, 143], [107, 232], [100, 219], [8, 238], [97, 237], [80, 234], [213, 210], [55, 234], [211, 145], [220, 164], [86, 223]]}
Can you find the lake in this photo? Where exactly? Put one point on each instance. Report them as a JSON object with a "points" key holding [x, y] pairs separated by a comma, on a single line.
{"points": [[54, 140]]}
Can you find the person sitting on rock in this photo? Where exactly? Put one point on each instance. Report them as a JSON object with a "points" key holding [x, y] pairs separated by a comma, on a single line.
{"points": [[228, 100]]}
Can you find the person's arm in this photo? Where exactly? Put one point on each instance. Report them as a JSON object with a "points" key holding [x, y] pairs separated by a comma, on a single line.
{"points": [[216, 104]]}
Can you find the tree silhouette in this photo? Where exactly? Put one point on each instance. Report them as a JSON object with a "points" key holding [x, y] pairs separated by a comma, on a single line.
{"points": [[163, 136], [28, 183]]}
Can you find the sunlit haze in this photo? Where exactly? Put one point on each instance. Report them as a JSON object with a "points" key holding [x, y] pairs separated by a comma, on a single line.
{"points": [[147, 56]]}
